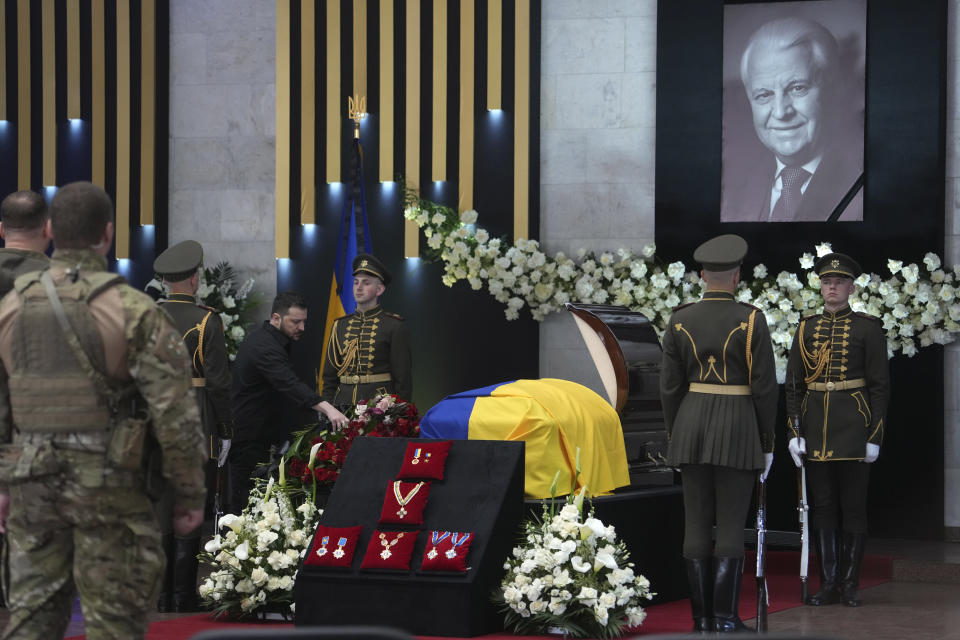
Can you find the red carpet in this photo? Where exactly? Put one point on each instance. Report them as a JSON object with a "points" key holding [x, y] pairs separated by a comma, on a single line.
{"points": [[783, 585]]}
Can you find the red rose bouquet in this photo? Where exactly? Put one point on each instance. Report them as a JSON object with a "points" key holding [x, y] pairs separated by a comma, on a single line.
{"points": [[316, 456]]}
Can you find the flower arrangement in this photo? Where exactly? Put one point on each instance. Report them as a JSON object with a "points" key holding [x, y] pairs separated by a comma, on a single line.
{"points": [[315, 456], [571, 575], [256, 561], [918, 306], [218, 289]]}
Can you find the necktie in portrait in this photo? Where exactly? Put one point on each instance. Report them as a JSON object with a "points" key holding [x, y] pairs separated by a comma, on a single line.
{"points": [[792, 179]]}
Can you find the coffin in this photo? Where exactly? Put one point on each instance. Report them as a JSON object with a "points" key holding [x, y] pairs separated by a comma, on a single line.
{"points": [[625, 349]]}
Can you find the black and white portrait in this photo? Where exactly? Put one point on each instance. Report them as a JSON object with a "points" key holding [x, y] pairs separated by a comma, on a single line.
{"points": [[793, 111]]}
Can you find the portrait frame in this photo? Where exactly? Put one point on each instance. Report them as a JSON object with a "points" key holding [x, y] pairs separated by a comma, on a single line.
{"points": [[904, 139], [814, 114]]}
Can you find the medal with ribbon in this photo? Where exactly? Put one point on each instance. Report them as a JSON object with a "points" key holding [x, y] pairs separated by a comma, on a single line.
{"points": [[386, 553], [455, 543], [322, 551], [436, 538], [402, 500]]}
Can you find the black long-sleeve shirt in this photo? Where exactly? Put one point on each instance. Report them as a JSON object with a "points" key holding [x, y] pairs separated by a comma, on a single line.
{"points": [[265, 387]]}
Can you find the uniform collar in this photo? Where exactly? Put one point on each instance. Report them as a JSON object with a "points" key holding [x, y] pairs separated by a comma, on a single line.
{"points": [[24, 252], [717, 294], [837, 315], [372, 313], [182, 297], [80, 259]]}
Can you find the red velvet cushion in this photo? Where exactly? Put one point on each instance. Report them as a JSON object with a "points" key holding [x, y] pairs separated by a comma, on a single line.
{"points": [[425, 459], [397, 546], [333, 546], [414, 498], [446, 551]]}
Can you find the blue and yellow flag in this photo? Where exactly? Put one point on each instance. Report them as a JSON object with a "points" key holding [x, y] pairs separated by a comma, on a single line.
{"points": [[554, 418], [354, 233]]}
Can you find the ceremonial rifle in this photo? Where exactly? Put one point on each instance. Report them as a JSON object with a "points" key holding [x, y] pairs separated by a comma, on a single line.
{"points": [[804, 512], [762, 595]]}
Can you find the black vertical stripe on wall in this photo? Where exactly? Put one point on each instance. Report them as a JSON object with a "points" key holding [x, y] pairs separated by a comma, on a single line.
{"points": [[36, 97], [8, 129], [534, 212], [373, 60], [162, 148], [453, 96]]}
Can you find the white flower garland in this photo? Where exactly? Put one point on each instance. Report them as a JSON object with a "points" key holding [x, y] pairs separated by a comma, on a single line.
{"points": [[918, 307]]}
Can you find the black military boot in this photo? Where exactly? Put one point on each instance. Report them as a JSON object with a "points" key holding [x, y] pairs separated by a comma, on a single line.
{"points": [[185, 575], [826, 542], [727, 575], [700, 578], [165, 602], [851, 556]]}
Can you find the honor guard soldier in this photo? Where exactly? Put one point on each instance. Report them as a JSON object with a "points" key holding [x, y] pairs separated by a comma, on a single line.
{"points": [[719, 392], [95, 404], [202, 331], [369, 352], [838, 388]]}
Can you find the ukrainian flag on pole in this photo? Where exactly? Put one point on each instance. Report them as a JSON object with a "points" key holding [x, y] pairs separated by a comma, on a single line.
{"points": [[354, 233]]}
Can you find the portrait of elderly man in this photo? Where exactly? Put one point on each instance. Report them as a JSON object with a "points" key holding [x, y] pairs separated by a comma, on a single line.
{"points": [[808, 121]]}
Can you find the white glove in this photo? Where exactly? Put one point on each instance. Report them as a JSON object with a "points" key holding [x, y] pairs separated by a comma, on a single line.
{"points": [[873, 451], [796, 447], [769, 463], [224, 450]]}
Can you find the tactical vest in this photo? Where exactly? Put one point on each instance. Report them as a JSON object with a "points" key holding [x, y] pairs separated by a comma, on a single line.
{"points": [[50, 391]]}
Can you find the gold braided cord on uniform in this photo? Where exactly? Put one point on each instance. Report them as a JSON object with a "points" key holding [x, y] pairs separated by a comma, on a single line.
{"points": [[352, 347], [739, 327], [753, 316], [198, 352], [815, 362], [679, 327]]}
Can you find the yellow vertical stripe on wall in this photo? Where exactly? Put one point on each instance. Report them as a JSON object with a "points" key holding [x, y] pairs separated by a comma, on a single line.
{"points": [[308, 109], [411, 146], [439, 134], [333, 137], [122, 223], [73, 59], [359, 48], [148, 93], [98, 91], [3, 63], [521, 127], [281, 241], [465, 179], [23, 94], [49, 65], [386, 90], [494, 54]]}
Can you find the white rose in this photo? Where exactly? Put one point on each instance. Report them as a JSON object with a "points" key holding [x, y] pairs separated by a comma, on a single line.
{"points": [[823, 249]]}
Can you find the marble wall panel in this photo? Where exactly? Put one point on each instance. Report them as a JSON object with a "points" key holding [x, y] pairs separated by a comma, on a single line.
{"points": [[563, 156], [246, 214], [188, 58], [621, 155], [588, 101], [582, 46], [638, 101], [203, 163], [641, 44], [216, 16], [197, 213], [255, 163], [247, 59], [598, 8]]}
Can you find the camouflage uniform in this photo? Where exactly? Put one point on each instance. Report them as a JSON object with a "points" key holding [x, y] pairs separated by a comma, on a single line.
{"points": [[79, 519], [15, 262]]}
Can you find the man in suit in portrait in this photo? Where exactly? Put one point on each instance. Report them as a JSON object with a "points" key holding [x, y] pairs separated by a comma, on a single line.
{"points": [[796, 92]]}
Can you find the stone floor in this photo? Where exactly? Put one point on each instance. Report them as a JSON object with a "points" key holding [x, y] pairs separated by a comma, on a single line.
{"points": [[921, 603]]}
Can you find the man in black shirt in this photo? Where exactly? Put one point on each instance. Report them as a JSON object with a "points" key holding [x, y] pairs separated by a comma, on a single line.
{"points": [[264, 385]]}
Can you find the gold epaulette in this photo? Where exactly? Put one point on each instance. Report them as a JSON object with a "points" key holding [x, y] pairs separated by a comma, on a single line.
{"points": [[395, 316]]}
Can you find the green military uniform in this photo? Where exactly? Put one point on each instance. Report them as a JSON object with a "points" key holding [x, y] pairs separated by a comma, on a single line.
{"points": [[719, 392], [73, 461], [368, 352], [202, 332], [15, 262], [838, 388]]}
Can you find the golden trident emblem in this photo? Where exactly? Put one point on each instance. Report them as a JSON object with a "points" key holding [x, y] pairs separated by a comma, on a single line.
{"points": [[357, 111]]}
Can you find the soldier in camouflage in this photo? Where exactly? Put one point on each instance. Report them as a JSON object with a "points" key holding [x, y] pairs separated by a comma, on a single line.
{"points": [[25, 229], [91, 373]]}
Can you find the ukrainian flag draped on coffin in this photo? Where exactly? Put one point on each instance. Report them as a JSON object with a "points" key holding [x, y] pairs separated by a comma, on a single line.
{"points": [[554, 418]]}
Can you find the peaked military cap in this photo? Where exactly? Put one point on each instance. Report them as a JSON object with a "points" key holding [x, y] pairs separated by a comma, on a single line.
{"points": [[837, 264], [180, 261], [366, 263], [721, 253]]}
